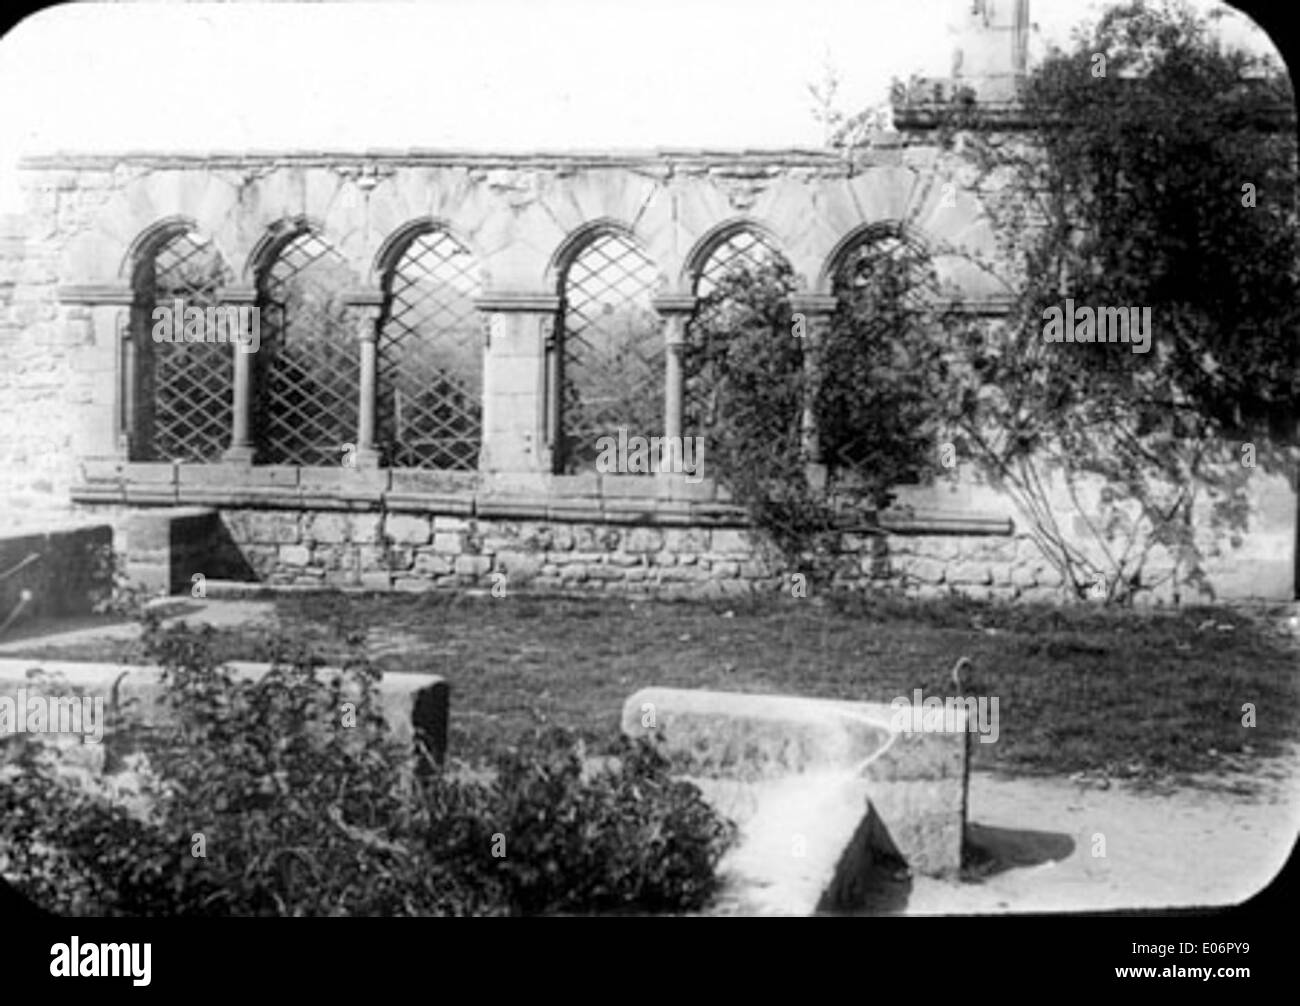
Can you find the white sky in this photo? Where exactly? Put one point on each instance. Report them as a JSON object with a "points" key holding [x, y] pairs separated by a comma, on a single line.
{"points": [[502, 75]]}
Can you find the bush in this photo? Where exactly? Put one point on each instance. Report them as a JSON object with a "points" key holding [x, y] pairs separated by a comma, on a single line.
{"points": [[288, 796]]}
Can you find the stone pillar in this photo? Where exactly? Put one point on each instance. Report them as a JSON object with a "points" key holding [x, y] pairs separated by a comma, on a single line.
{"points": [[368, 307], [99, 339], [241, 449], [520, 391], [676, 310], [811, 314]]}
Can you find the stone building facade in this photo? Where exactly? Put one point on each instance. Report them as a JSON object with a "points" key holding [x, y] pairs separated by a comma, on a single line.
{"points": [[410, 428]]}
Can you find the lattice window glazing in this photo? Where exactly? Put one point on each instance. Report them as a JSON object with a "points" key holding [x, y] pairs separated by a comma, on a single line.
{"points": [[430, 397], [308, 374], [612, 349], [885, 287], [888, 269], [742, 257], [184, 395]]}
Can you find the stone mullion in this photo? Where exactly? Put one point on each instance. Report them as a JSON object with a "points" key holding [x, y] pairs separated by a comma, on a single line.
{"points": [[241, 449], [127, 432], [812, 313], [103, 312], [521, 383], [551, 416], [676, 311], [369, 308]]}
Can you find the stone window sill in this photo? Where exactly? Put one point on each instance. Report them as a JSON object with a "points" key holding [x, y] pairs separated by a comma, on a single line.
{"points": [[615, 499]]}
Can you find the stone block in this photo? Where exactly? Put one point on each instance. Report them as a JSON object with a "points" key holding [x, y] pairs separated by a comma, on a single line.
{"points": [[295, 555], [847, 777], [968, 573], [730, 542], [449, 543], [472, 565], [330, 528], [642, 539], [414, 706], [520, 567], [432, 564], [407, 529]]}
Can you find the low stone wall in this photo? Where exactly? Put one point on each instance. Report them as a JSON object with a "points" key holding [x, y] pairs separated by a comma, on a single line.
{"points": [[415, 706], [165, 548], [63, 572], [421, 551]]}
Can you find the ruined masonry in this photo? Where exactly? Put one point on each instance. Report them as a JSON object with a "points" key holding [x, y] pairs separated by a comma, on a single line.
{"points": [[442, 338]]}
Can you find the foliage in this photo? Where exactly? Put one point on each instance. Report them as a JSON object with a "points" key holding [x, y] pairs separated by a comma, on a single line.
{"points": [[1161, 176], [743, 352], [121, 595], [266, 797], [869, 380], [885, 367]]}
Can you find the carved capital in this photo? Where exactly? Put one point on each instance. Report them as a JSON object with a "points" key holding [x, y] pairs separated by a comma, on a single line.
{"points": [[674, 303], [813, 303], [96, 293], [518, 301]]}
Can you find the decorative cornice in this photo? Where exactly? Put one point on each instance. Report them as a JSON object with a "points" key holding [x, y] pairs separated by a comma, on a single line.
{"points": [[518, 301], [373, 162], [96, 293]]}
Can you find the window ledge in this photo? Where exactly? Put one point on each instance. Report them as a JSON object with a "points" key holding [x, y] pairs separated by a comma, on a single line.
{"points": [[588, 498]]}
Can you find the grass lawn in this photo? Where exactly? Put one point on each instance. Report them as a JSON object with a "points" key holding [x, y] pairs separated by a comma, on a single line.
{"points": [[1134, 695]]}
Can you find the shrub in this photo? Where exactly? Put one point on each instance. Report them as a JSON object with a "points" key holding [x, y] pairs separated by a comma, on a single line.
{"points": [[302, 803]]}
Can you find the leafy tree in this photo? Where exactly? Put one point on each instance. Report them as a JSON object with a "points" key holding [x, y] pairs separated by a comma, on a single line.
{"points": [[1148, 167]]}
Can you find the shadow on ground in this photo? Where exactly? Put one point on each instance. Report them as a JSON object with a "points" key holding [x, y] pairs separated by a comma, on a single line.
{"points": [[989, 851]]}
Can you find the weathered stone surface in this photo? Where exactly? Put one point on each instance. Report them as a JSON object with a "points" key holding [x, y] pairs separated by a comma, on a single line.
{"points": [[65, 570], [408, 529], [520, 567], [415, 706], [730, 542], [828, 772], [63, 297], [642, 539], [432, 564], [472, 565], [295, 555], [449, 543]]}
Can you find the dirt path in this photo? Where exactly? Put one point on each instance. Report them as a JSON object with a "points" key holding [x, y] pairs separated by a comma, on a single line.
{"points": [[1191, 847]]}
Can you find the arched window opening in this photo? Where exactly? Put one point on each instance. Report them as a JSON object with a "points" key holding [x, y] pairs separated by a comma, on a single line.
{"points": [[430, 396], [305, 403], [611, 350], [743, 281], [183, 389]]}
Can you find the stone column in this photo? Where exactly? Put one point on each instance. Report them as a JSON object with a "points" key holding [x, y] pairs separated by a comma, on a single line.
{"points": [[98, 337], [368, 307], [811, 315], [520, 392], [676, 310], [241, 449]]}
